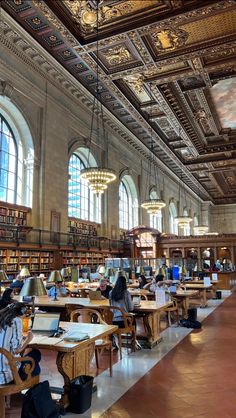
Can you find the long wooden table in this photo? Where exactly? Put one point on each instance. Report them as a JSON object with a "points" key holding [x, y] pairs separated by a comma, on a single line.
{"points": [[150, 311], [202, 290], [73, 359]]}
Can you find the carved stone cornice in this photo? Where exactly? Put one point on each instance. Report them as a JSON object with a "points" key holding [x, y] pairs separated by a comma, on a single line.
{"points": [[6, 89]]}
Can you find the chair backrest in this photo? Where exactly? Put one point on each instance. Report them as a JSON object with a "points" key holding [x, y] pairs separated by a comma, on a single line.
{"points": [[18, 384], [108, 314], [86, 315]]}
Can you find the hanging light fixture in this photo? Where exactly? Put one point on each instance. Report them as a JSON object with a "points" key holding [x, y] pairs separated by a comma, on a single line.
{"points": [[183, 220], [98, 178], [200, 229], [152, 205]]}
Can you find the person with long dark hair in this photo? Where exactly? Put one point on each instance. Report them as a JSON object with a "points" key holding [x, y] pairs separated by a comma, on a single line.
{"points": [[120, 297], [11, 338], [6, 298]]}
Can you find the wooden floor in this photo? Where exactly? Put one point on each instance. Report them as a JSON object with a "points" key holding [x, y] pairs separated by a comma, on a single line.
{"points": [[196, 379]]}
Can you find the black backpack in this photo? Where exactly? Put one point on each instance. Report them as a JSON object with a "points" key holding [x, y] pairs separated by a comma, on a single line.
{"points": [[189, 323], [38, 403]]}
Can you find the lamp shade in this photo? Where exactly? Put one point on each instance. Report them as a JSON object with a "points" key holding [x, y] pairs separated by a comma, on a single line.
{"points": [[33, 286], [24, 272], [3, 276], [65, 272], [55, 276], [101, 270]]}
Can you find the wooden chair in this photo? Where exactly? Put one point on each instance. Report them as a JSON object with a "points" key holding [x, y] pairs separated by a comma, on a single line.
{"points": [[173, 309], [18, 384], [129, 329], [86, 315]]}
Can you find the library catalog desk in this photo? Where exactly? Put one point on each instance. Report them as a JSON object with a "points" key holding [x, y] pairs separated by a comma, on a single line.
{"points": [[73, 359], [148, 309]]}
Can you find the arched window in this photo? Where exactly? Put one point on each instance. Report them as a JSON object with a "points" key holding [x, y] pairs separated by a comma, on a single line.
{"points": [[128, 203], [155, 220], [16, 156], [82, 203], [172, 222]]}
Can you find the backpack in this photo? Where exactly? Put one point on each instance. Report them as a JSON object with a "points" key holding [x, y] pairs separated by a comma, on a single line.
{"points": [[189, 323], [38, 403]]}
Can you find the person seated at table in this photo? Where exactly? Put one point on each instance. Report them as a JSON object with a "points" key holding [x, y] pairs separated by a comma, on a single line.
{"points": [[142, 281], [119, 296], [158, 282], [6, 298], [18, 283], [11, 330], [58, 290], [104, 288]]}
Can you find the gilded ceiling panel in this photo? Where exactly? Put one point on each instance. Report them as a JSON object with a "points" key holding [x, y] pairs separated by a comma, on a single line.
{"points": [[211, 27]]}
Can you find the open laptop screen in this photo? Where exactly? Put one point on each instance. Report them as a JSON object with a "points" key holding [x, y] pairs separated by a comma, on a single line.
{"points": [[46, 322]]}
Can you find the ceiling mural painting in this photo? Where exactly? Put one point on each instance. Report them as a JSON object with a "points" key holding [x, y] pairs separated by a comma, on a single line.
{"points": [[224, 96], [168, 64]]}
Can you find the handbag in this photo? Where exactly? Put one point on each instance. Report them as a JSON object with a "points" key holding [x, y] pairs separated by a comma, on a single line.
{"points": [[38, 403]]}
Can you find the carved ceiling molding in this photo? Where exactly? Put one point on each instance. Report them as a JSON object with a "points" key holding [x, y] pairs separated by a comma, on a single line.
{"points": [[41, 6]]}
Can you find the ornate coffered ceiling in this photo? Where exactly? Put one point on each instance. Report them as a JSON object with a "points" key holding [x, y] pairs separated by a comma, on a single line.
{"points": [[165, 64]]}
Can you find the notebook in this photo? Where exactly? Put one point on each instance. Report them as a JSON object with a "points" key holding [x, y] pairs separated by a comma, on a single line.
{"points": [[95, 295], [46, 323], [75, 336]]}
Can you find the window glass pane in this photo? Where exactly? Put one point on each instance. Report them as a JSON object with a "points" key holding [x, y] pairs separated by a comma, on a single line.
{"points": [[82, 203], [8, 163]]}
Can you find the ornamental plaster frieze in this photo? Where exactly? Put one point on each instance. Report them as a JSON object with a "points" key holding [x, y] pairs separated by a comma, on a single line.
{"points": [[204, 104], [173, 120], [193, 118]]}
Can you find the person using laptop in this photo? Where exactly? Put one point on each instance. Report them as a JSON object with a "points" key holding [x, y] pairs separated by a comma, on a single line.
{"points": [[58, 290], [11, 331], [104, 288]]}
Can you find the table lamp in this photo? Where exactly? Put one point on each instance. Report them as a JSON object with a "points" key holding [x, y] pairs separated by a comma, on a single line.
{"points": [[102, 271], [65, 273], [33, 286], [55, 276], [24, 272], [3, 278]]}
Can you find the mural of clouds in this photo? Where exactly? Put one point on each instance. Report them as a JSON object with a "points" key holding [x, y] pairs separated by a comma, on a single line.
{"points": [[224, 97]]}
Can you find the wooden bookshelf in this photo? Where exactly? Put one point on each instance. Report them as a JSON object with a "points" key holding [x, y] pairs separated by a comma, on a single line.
{"points": [[83, 259], [13, 260], [13, 218], [76, 226]]}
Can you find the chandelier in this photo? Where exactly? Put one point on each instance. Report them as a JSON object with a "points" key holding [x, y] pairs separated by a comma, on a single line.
{"points": [[153, 204], [98, 178], [200, 229], [183, 220]]}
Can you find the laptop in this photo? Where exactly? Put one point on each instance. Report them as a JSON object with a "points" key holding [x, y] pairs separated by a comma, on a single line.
{"points": [[46, 324], [95, 295]]}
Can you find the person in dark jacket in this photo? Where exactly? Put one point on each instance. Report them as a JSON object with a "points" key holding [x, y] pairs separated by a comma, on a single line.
{"points": [[104, 288], [6, 298]]}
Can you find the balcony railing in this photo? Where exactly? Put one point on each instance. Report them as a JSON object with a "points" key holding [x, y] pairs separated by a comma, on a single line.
{"points": [[42, 237]]}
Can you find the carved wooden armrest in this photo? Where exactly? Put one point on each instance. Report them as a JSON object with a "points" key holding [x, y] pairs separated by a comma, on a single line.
{"points": [[12, 361]]}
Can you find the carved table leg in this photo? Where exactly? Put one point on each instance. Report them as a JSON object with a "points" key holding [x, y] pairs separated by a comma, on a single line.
{"points": [[71, 365]]}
